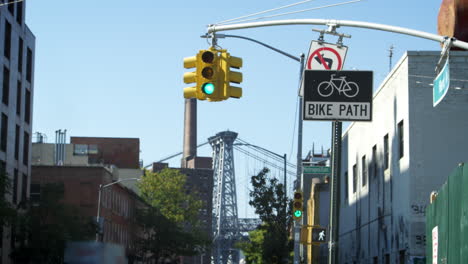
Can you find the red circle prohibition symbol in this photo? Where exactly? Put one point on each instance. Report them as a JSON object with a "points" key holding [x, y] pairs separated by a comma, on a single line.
{"points": [[317, 52]]}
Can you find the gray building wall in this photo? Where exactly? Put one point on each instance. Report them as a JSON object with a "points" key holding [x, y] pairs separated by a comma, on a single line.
{"points": [[20, 166], [384, 218]]}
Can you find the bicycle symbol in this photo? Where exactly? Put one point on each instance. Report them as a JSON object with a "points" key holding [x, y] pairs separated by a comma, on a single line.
{"points": [[326, 88]]}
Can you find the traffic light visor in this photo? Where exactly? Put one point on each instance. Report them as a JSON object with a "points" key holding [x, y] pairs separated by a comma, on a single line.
{"points": [[207, 57], [208, 88], [297, 205], [297, 195], [207, 72]]}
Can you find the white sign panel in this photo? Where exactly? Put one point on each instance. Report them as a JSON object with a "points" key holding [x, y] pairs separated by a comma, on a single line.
{"points": [[337, 95], [337, 110], [325, 56]]}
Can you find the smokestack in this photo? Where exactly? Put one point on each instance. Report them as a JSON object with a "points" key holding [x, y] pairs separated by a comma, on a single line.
{"points": [[190, 131]]}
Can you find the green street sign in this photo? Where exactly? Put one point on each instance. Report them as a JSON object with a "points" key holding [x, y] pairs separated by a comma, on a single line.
{"points": [[316, 170]]}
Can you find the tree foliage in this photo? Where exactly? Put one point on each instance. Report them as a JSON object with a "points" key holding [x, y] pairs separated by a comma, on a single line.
{"points": [[271, 204], [166, 191], [163, 238], [171, 226], [47, 225], [7, 210]]}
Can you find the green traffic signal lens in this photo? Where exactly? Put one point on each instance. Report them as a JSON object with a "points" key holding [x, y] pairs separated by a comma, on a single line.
{"points": [[297, 213], [208, 88]]}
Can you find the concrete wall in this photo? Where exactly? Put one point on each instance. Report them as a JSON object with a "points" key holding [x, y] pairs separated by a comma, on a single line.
{"points": [[386, 215], [44, 153]]}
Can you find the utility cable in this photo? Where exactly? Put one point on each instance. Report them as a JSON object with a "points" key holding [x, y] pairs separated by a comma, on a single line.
{"points": [[299, 11], [262, 12], [8, 3]]}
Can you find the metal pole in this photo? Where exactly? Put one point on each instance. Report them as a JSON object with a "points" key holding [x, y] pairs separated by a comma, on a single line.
{"points": [[297, 227], [339, 23], [98, 214], [334, 193]]}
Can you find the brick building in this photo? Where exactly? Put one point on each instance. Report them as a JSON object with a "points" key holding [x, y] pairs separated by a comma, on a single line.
{"points": [[81, 189], [83, 168]]}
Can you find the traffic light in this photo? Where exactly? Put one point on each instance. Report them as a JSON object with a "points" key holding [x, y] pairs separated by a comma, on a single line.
{"points": [[298, 208], [319, 234], [226, 63], [207, 76], [314, 235]]}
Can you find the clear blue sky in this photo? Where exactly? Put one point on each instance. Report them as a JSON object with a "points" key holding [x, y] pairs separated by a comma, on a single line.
{"points": [[114, 68]]}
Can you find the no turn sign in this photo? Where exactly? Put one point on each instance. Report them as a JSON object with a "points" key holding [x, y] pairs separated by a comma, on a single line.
{"points": [[325, 56]]}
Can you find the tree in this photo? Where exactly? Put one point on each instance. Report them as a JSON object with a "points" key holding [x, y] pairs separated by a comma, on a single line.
{"points": [[7, 210], [172, 226], [253, 249], [46, 225], [166, 191], [163, 238], [271, 204]]}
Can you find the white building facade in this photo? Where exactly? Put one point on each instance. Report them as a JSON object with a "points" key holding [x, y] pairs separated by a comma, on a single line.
{"points": [[391, 165]]}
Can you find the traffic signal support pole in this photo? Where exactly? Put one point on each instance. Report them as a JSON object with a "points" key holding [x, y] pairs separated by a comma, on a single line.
{"points": [[334, 193]]}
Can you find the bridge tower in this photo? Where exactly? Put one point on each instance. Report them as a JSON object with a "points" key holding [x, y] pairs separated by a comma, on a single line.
{"points": [[225, 223]]}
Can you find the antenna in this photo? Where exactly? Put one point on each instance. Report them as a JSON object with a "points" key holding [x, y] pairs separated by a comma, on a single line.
{"points": [[390, 56]]}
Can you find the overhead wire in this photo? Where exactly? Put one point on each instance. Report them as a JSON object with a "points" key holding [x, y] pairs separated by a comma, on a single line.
{"points": [[294, 12], [263, 12], [12, 2]]}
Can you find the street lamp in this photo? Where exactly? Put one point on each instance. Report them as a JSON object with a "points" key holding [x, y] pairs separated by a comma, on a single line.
{"points": [[99, 201]]}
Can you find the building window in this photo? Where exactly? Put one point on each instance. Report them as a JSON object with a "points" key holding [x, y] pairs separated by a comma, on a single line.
{"points": [[29, 65], [18, 98], [7, 42], [19, 12], [35, 193], [11, 7], [17, 141], [26, 148], [92, 149], [20, 55], [400, 137], [364, 170], [27, 107], [4, 133], [354, 178], [402, 256], [386, 152], [24, 187], [15, 185], [346, 186], [376, 260], [374, 161], [387, 258], [6, 85], [80, 149]]}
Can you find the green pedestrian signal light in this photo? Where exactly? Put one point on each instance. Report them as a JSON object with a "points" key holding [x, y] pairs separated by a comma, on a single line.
{"points": [[298, 205]]}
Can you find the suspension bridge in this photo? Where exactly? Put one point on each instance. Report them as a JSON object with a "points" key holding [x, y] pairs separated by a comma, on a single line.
{"points": [[227, 226]]}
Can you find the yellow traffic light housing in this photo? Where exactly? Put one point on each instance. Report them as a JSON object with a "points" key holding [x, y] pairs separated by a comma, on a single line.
{"points": [[226, 63], [298, 205], [207, 76], [305, 235]]}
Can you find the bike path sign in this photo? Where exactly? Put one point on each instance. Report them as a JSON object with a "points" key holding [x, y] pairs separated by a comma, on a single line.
{"points": [[325, 56], [337, 95]]}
